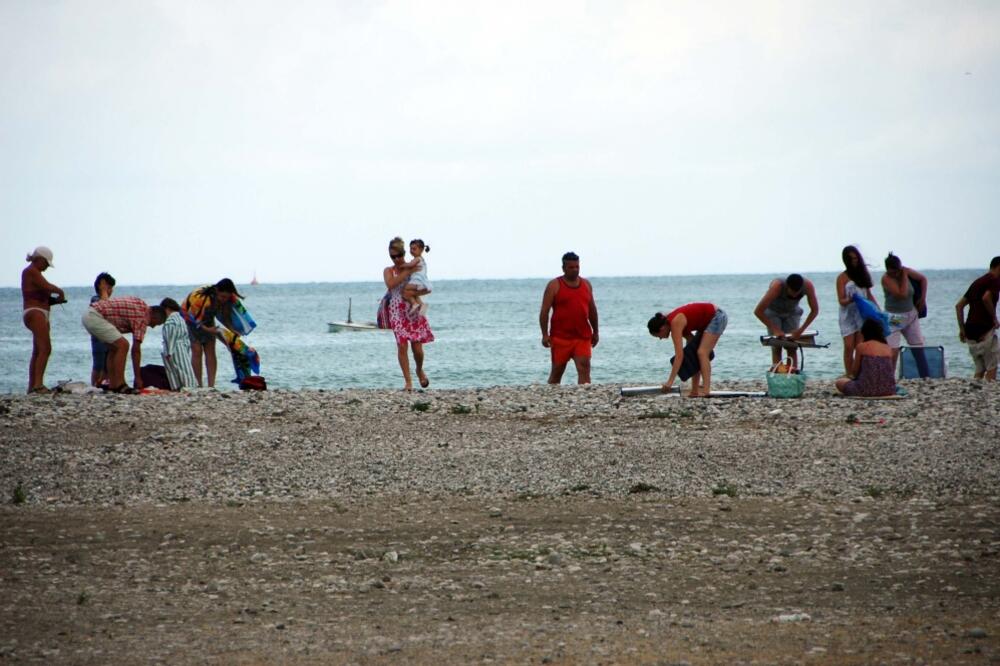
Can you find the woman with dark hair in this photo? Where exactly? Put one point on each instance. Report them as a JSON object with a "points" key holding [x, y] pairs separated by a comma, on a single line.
{"points": [[683, 324], [901, 285], [855, 279], [411, 329], [104, 287], [36, 295], [418, 285], [176, 348], [199, 310], [872, 365]]}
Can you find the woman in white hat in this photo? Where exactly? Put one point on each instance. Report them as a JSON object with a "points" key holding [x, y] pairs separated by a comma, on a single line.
{"points": [[37, 294]]}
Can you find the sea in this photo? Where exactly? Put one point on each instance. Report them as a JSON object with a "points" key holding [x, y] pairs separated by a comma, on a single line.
{"points": [[486, 331]]}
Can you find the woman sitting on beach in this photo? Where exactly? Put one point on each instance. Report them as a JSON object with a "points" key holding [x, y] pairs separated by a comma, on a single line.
{"points": [[855, 279], [682, 324], [872, 365], [35, 293], [199, 310], [411, 330]]}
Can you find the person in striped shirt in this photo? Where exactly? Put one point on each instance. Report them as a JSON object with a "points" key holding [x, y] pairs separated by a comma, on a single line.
{"points": [[176, 348], [108, 320]]}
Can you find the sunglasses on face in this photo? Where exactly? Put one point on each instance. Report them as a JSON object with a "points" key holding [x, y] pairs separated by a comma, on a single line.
{"points": [[397, 256]]}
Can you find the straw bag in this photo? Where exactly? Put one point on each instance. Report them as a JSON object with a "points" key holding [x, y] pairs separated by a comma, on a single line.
{"points": [[784, 380]]}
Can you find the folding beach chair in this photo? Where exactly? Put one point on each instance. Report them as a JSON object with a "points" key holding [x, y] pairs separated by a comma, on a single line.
{"points": [[807, 341], [912, 358]]}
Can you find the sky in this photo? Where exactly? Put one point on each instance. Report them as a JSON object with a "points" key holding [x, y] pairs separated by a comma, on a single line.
{"points": [[176, 142]]}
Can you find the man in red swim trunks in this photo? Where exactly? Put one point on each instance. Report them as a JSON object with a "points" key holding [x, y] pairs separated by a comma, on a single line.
{"points": [[573, 331]]}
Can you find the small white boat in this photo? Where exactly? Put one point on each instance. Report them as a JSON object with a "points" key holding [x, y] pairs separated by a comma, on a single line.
{"points": [[350, 324]]}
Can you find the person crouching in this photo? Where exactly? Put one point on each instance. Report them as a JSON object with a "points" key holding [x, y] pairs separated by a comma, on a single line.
{"points": [[107, 320]]}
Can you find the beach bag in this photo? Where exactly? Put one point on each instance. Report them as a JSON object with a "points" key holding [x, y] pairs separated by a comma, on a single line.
{"points": [[382, 316], [154, 376], [253, 383], [785, 381]]}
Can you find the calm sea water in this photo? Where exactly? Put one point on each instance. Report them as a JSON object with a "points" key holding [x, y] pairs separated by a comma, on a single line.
{"points": [[487, 331]]}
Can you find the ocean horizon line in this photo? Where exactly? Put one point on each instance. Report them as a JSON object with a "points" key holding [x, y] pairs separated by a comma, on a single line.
{"points": [[805, 272]]}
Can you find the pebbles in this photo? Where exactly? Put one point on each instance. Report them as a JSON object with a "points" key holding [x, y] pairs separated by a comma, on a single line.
{"points": [[533, 440]]}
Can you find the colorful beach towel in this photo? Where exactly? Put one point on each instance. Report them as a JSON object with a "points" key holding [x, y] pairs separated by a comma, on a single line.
{"points": [[198, 307], [238, 320], [246, 361]]}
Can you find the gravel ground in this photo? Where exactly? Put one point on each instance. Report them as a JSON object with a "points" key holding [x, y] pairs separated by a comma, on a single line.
{"points": [[555, 524]]}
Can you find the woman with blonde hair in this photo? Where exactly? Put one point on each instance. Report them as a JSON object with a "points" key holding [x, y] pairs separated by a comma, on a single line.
{"points": [[36, 293], [410, 329]]}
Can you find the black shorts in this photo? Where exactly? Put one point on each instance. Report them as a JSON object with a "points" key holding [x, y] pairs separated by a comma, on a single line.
{"points": [[199, 335]]}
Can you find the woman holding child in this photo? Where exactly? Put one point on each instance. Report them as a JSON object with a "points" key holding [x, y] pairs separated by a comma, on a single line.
{"points": [[410, 328]]}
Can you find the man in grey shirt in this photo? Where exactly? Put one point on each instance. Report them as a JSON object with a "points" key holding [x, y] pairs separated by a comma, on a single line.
{"points": [[780, 312]]}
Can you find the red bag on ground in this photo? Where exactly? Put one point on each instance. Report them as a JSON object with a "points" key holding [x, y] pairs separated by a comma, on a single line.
{"points": [[253, 383]]}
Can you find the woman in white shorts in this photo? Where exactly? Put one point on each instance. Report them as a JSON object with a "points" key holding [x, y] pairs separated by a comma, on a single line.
{"points": [[855, 279]]}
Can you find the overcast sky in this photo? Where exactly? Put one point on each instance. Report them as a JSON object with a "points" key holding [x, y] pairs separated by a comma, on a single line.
{"points": [[180, 142]]}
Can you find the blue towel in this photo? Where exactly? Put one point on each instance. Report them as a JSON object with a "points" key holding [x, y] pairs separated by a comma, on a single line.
{"points": [[869, 310]]}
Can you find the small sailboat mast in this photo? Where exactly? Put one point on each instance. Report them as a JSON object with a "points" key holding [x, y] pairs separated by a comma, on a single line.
{"points": [[350, 324]]}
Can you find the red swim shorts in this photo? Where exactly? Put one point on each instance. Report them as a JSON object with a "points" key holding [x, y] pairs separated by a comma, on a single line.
{"points": [[564, 349]]}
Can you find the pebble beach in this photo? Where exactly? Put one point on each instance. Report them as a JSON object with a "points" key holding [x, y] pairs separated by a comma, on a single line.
{"points": [[510, 524], [303, 445]]}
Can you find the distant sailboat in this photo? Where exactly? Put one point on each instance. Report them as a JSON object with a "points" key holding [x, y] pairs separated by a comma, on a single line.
{"points": [[254, 282], [350, 324]]}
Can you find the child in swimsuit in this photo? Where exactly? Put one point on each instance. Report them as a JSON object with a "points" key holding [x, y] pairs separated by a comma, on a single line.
{"points": [[418, 284]]}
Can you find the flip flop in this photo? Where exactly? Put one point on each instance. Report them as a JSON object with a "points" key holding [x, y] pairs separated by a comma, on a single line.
{"points": [[124, 389], [424, 382], [40, 390]]}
